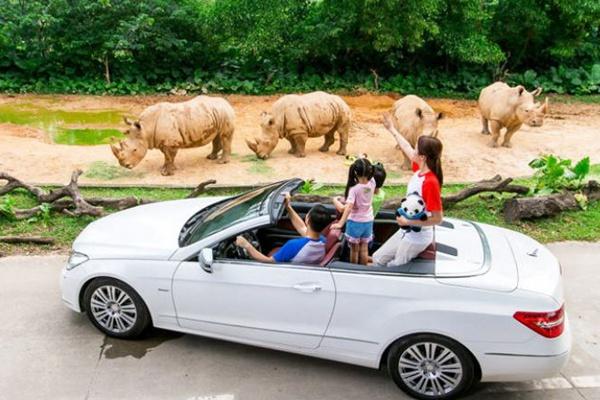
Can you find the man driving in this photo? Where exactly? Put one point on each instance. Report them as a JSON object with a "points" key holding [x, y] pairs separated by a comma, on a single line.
{"points": [[308, 249]]}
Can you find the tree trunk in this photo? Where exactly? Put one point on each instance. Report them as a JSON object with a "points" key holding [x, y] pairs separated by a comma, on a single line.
{"points": [[106, 69]]}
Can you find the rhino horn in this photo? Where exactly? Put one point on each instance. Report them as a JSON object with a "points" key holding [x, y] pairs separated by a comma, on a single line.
{"points": [[116, 151], [544, 107], [252, 146]]}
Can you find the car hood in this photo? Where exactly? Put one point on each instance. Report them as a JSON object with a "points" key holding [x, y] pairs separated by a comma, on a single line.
{"points": [[147, 232]]}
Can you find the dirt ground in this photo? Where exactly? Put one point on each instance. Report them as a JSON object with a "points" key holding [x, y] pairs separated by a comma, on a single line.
{"points": [[570, 130]]}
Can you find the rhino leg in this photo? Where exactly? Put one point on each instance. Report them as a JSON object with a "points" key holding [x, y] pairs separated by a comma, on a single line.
{"points": [[226, 138], [495, 127], [343, 131], [216, 147], [169, 167], [508, 135], [484, 126], [329, 139], [300, 141], [293, 148]]}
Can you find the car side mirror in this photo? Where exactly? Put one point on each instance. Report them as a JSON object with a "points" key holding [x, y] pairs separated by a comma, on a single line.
{"points": [[205, 259]]}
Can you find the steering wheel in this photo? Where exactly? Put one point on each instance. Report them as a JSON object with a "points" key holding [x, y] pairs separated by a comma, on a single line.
{"points": [[253, 239], [228, 248]]}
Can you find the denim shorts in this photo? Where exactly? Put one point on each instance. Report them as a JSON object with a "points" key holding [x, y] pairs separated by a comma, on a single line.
{"points": [[359, 232]]}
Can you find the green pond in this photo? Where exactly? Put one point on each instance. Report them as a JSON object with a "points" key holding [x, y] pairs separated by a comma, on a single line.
{"points": [[83, 128]]}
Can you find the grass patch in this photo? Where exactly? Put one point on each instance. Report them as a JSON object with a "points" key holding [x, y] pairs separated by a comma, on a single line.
{"points": [[101, 170], [486, 208], [257, 166]]}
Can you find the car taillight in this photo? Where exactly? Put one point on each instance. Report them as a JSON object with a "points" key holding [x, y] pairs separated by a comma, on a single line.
{"points": [[548, 324]]}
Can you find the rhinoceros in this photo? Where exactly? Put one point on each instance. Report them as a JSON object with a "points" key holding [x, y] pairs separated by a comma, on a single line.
{"points": [[173, 126], [509, 107], [299, 117], [413, 117]]}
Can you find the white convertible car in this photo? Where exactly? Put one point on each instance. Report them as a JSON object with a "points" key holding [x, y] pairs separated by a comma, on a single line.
{"points": [[484, 304]]}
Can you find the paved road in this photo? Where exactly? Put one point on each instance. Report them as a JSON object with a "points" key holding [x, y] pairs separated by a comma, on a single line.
{"points": [[48, 352]]}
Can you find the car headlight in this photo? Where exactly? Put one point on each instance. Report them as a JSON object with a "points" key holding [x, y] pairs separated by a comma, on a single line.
{"points": [[76, 259]]}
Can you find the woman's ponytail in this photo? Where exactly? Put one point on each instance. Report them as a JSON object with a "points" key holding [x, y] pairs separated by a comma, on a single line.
{"points": [[431, 148]]}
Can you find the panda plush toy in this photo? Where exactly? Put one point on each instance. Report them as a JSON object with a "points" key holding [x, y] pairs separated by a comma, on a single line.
{"points": [[412, 207]]}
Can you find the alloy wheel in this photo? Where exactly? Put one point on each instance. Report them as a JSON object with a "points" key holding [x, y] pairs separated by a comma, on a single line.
{"points": [[430, 369], [113, 308]]}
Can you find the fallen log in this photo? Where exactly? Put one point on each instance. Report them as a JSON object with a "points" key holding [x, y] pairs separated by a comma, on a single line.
{"points": [[26, 239], [592, 190], [496, 184], [535, 207], [13, 183], [312, 198], [201, 188], [546, 206]]}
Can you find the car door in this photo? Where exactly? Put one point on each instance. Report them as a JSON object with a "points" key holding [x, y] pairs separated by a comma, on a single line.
{"points": [[283, 304]]}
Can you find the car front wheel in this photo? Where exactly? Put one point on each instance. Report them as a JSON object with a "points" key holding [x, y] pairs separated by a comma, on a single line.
{"points": [[431, 367], [115, 308]]}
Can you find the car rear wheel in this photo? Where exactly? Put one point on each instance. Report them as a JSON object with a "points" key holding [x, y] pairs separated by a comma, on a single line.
{"points": [[115, 308], [431, 367]]}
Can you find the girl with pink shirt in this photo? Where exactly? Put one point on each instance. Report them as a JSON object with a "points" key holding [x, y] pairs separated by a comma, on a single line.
{"points": [[358, 210]]}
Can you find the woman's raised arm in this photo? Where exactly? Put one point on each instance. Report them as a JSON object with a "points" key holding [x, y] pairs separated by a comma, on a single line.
{"points": [[406, 148]]}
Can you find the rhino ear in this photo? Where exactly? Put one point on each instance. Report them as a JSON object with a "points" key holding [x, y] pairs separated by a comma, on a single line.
{"points": [[440, 116], [537, 92], [137, 125], [419, 113], [127, 120], [521, 89]]}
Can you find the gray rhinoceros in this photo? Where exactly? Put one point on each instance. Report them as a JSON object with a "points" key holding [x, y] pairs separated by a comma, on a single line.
{"points": [[173, 126], [509, 107], [299, 117]]}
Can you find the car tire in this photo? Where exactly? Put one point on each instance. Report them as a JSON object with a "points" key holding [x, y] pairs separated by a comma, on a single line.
{"points": [[116, 309], [431, 367]]}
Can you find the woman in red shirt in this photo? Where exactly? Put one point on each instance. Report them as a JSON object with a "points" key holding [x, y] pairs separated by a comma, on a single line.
{"points": [[427, 180]]}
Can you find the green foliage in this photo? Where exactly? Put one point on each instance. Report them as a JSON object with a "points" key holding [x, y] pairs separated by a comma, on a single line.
{"points": [[310, 186], [554, 174], [241, 46], [7, 208], [42, 216]]}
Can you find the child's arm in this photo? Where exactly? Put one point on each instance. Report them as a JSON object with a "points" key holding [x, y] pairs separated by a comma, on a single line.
{"points": [[340, 224], [252, 252], [339, 206], [402, 142], [297, 222]]}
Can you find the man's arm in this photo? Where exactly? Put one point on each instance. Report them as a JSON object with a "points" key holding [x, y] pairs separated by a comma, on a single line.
{"points": [[252, 252], [297, 222]]}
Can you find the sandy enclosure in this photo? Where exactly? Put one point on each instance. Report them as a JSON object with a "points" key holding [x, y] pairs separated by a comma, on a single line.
{"points": [[569, 131]]}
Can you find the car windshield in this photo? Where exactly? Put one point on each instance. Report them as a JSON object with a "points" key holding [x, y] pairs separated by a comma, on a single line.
{"points": [[241, 208]]}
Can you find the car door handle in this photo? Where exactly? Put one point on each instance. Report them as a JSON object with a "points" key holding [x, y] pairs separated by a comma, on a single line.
{"points": [[307, 287]]}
